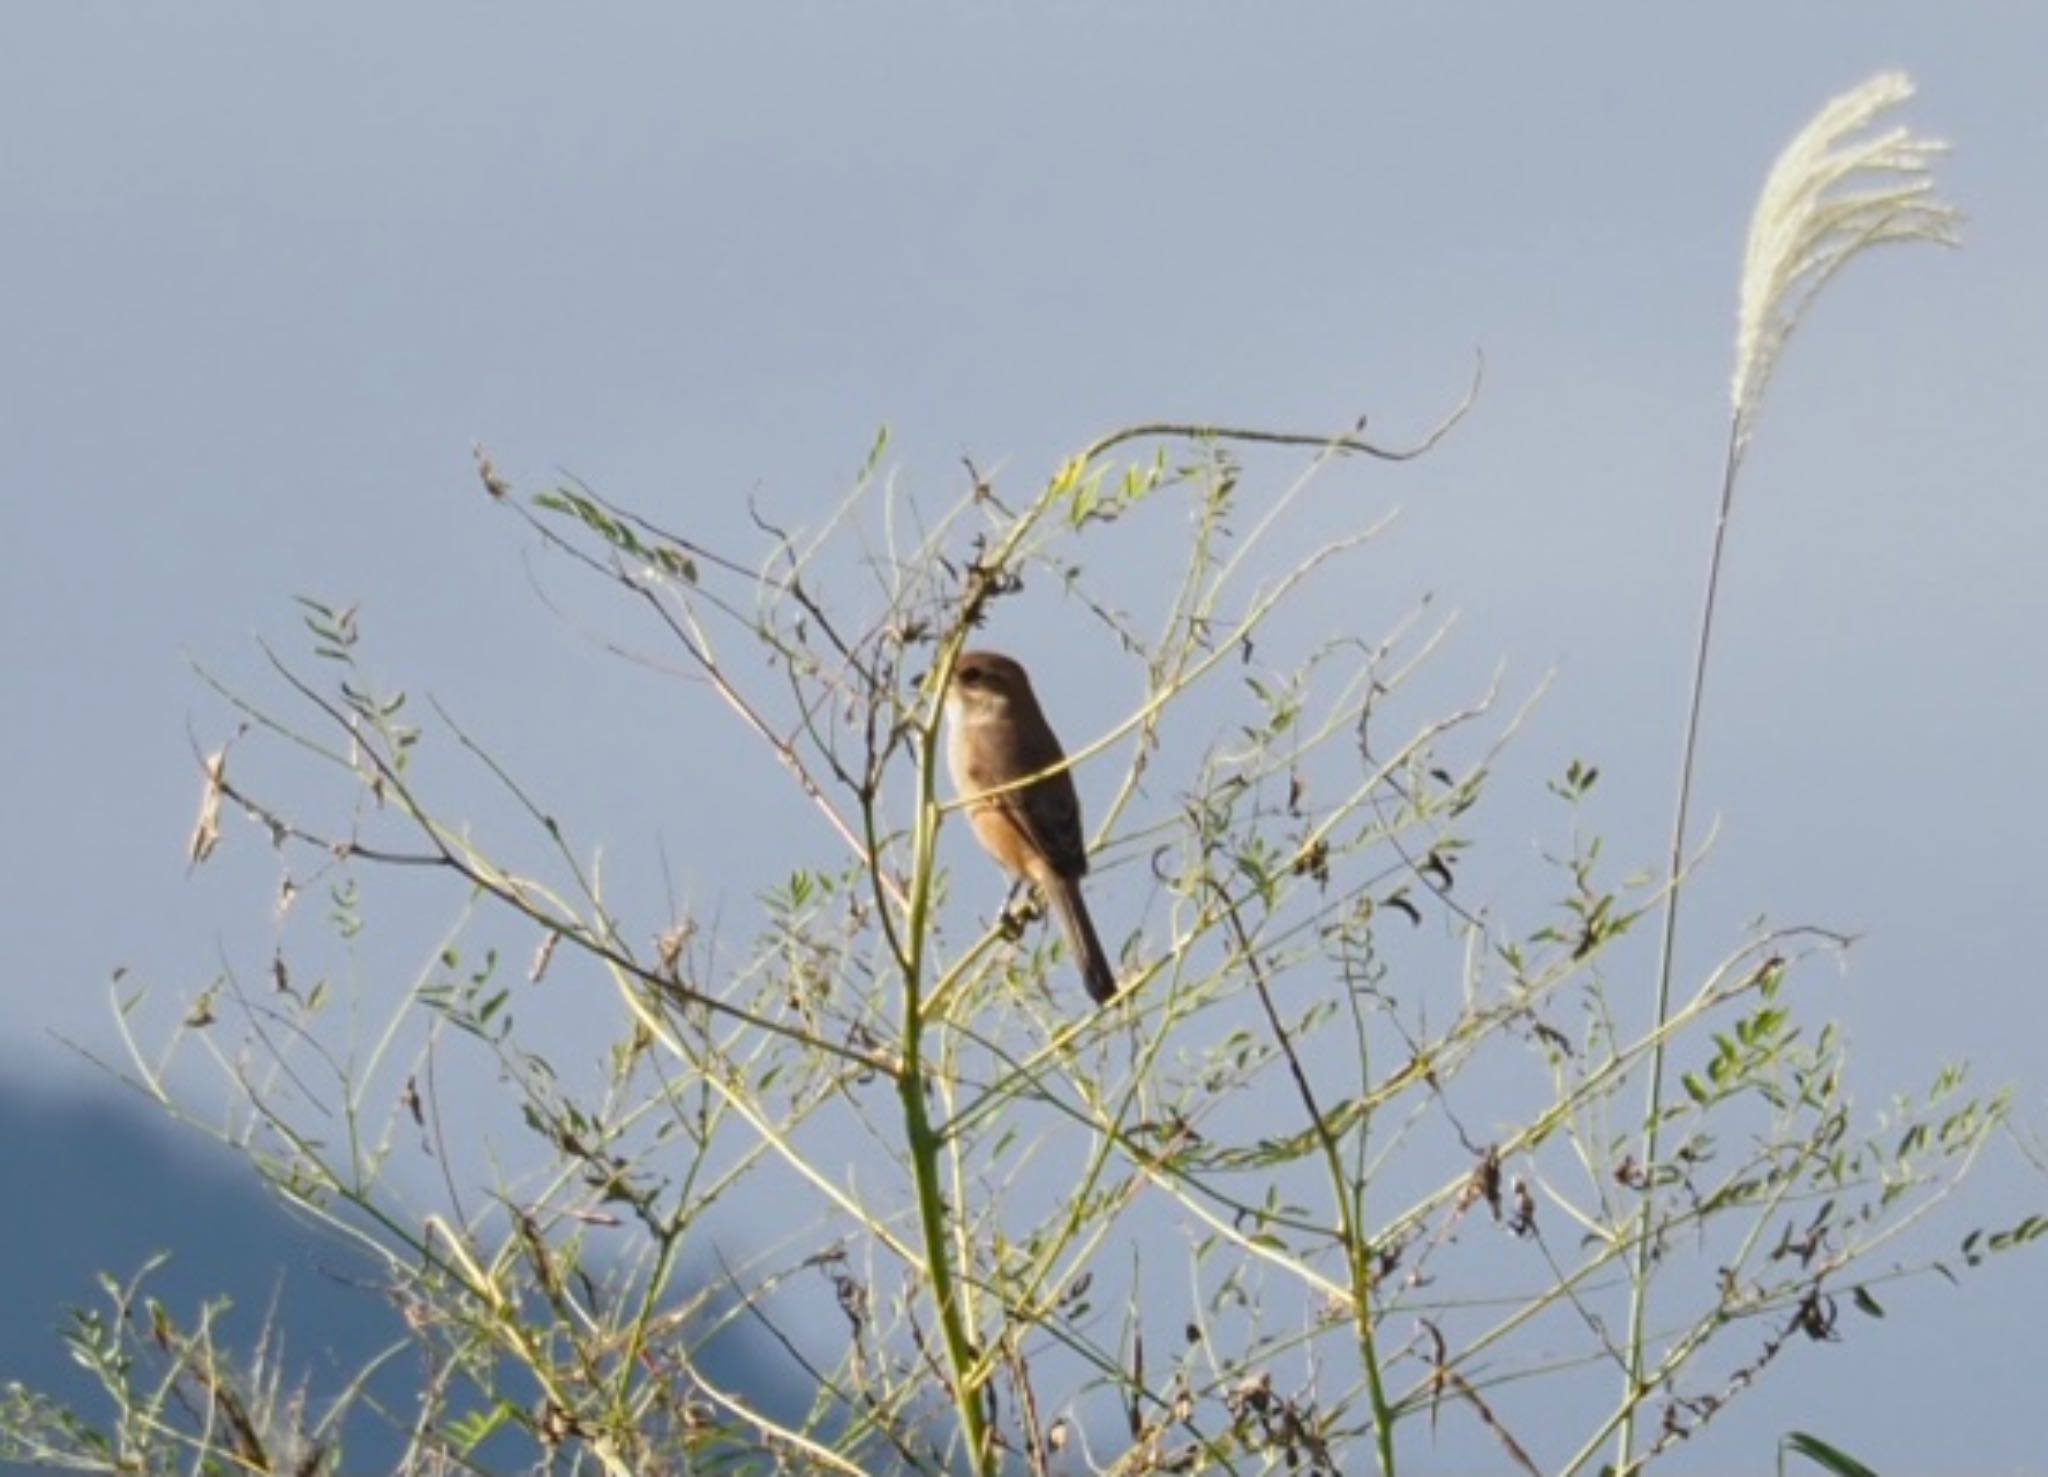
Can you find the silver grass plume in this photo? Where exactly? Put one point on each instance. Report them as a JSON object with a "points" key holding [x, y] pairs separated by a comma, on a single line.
{"points": [[1835, 191]]}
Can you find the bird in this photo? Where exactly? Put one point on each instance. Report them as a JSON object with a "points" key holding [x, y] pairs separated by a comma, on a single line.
{"points": [[998, 736]]}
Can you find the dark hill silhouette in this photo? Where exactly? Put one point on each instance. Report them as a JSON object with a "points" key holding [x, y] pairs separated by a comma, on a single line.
{"points": [[92, 1184]]}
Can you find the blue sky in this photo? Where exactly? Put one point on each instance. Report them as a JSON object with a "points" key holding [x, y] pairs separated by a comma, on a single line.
{"points": [[270, 272]]}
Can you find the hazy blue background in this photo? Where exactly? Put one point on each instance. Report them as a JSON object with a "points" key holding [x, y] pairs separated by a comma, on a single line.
{"points": [[268, 273]]}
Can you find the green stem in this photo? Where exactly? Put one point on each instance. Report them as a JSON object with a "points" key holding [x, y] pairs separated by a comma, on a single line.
{"points": [[1639, 1277], [1349, 1198], [926, 1145], [931, 1215]]}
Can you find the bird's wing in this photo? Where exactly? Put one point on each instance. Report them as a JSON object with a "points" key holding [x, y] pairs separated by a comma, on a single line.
{"points": [[1049, 812]]}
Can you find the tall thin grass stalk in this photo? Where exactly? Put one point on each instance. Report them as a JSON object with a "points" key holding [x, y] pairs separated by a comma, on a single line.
{"points": [[1834, 192]]}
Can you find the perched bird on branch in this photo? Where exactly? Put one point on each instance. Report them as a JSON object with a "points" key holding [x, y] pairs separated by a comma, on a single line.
{"points": [[999, 737]]}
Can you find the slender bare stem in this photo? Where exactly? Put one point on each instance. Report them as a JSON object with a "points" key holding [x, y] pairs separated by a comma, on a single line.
{"points": [[1667, 946]]}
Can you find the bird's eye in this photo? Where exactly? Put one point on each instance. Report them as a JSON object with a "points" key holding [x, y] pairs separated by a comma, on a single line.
{"points": [[968, 677]]}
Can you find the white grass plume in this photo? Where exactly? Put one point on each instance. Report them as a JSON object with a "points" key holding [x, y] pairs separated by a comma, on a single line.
{"points": [[1830, 196], [1835, 191]]}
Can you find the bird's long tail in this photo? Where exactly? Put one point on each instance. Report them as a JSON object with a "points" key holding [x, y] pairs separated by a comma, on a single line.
{"points": [[1087, 948]]}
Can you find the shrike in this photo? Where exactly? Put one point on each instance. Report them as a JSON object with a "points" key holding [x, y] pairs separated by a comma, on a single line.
{"points": [[998, 737]]}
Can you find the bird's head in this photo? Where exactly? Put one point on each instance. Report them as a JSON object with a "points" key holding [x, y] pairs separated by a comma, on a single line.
{"points": [[986, 684]]}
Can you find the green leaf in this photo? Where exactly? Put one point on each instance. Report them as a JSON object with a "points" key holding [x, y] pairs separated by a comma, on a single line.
{"points": [[1828, 1458], [677, 563]]}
